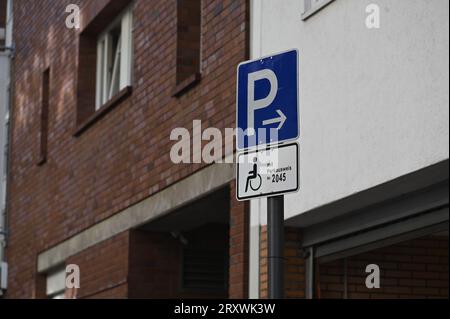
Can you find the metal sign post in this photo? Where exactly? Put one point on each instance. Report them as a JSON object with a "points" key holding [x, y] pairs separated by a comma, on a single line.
{"points": [[268, 101], [275, 238]]}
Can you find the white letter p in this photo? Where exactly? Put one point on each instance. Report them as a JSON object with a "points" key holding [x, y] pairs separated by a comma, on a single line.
{"points": [[261, 103]]}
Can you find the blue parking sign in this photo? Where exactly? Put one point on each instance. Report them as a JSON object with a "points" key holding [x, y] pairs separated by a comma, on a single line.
{"points": [[267, 100]]}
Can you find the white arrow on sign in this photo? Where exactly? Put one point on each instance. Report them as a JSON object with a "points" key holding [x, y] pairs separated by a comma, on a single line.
{"points": [[281, 119]]}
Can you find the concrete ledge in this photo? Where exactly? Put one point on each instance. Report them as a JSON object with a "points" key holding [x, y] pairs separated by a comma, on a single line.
{"points": [[185, 191]]}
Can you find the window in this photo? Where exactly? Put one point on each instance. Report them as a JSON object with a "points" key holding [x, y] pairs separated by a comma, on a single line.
{"points": [[105, 60], [56, 284], [114, 55], [312, 6], [188, 44], [44, 116]]}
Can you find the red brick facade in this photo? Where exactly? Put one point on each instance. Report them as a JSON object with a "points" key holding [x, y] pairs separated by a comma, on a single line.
{"points": [[412, 269], [239, 238], [104, 268], [123, 156], [294, 266]]}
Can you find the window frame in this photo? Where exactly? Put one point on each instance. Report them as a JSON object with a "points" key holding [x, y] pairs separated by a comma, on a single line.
{"points": [[121, 59], [96, 20], [310, 8]]}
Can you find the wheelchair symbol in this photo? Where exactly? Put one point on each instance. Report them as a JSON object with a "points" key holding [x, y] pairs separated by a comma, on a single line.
{"points": [[253, 179]]}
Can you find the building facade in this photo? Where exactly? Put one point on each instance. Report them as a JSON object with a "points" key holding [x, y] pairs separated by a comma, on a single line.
{"points": [[374, 147], [101, 89], [92, 183]]}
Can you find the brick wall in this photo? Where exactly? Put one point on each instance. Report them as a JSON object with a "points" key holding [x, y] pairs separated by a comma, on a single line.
{"points": [[142, 264], [412, 269], [104, 268], [160, 253], [294, 264], [150, 254], [188, 40], [124, 157], [239, 245]]}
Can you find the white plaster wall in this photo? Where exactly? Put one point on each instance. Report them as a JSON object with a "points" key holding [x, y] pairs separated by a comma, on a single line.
{"points": [[374, 104]]}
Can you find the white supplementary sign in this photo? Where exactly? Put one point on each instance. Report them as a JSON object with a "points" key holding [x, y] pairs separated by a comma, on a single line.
{"points": [[268, 172]]}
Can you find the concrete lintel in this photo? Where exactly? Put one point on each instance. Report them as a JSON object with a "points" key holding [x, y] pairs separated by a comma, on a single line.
{"points": [[160, 204]]}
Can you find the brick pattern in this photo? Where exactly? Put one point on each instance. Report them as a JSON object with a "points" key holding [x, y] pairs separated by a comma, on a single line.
{"points": [[294, 265], [159, 253], [104, 268], [124, 157], [263, 270], [150, 254], [138, 264], [294, 281], [412, 269], [239, 245]]}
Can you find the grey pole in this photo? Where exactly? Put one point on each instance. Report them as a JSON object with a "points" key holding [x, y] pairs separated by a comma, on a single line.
{"points": [[309, 272], [275, 237]]}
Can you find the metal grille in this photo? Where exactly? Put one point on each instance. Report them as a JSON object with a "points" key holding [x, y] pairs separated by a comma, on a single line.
{"points": [[204, 270]]}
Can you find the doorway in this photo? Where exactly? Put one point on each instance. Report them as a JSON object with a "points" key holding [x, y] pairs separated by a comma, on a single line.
{"points": [[184, 254]]}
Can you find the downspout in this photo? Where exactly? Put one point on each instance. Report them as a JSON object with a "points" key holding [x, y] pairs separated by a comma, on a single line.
{"points": [[6, 54]]}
